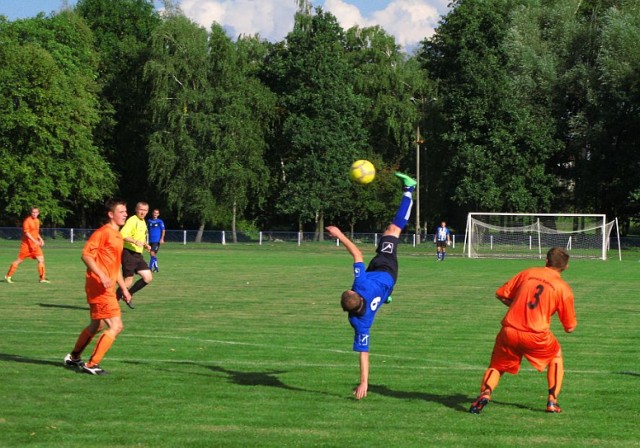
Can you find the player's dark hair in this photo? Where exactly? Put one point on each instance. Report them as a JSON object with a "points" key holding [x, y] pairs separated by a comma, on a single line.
{"points": [[557, 258], [351, 301], [111, 204]]}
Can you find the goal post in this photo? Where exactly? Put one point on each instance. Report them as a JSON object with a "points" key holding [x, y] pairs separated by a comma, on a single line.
{"points": [[531, 235]]}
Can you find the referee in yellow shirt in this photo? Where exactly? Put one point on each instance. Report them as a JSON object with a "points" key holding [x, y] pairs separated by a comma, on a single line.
{"points": [[134, 234]]}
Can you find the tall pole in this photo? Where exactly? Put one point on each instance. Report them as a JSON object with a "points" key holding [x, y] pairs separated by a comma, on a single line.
{"points": [[418, 183]]}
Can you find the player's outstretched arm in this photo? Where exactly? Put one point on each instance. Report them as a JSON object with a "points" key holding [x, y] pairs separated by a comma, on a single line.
{"points": [[361, 391], [335, 232]]}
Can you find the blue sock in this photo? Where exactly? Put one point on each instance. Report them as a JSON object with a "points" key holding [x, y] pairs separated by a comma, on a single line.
{"points": [[404, 211], [444, 254]]}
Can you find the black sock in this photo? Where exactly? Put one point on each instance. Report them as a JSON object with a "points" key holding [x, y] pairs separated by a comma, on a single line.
{"points": [[137, 286]]}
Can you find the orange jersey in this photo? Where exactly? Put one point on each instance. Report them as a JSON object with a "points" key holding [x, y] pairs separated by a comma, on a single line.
{"points": [[537, 294], [28, 248], [105, 247], [31, 226]]}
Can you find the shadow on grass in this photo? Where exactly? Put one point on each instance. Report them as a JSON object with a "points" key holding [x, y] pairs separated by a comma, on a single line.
{"points": [[268, 379], [628, 373], [25, 360], [68, 307], [457, 402], [242, 378]]}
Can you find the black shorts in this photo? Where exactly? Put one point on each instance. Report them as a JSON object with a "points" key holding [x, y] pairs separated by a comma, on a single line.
{"points": [[442, 244], [132, 262], [386, 258], [155, 247]]}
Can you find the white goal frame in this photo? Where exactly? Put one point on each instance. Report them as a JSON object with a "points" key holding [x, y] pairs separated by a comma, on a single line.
{"points": [[529, 238]]}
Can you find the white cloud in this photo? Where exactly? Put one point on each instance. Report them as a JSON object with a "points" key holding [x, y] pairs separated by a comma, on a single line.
{"points": [[409, 21], [347, 15], [271, 19]]}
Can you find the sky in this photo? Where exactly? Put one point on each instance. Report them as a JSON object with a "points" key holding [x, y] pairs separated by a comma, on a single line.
{"points": [[409, 21]]}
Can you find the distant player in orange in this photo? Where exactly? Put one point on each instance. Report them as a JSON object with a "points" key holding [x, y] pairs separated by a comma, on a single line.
{"points": [[102, 255], [533, 296], [31, 246]]}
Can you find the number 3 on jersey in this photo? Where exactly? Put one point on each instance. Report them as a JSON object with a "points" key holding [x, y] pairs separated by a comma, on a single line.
{"points": [[536, 297]]}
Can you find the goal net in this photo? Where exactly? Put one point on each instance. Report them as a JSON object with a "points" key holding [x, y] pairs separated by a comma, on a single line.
{"points": [[525, 235]]}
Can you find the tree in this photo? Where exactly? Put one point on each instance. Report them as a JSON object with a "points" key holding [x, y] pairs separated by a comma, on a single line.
{"points": [[122, 30], [180, 160], [618, 99], [211, 114], [399, 94], [322, 120], [48, 112], [496, 162], [242, 113]]}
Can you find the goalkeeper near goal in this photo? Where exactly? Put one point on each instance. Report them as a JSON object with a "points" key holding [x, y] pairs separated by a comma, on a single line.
{"points": [[533, 296], [372, 287]]}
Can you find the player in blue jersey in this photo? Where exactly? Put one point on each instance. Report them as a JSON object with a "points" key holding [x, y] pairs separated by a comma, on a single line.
{"points": [[442, 238], [156, 238], [372, 286]]}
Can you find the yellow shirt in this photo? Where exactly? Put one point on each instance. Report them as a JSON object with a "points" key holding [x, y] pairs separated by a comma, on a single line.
{"points": [[135, 228]]}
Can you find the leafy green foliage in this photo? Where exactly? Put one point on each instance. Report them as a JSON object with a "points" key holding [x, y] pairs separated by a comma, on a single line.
{"points": [[49, 109], [323, 120], [498, 132], [211, 115], [520, 106], [122, 31]]}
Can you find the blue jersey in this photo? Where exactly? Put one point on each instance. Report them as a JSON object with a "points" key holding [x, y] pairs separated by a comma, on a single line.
{"points": [[374, 287], [442, 234], [156, 227]]}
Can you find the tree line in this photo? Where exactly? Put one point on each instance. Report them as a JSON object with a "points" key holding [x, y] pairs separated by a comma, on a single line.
{"points": [[511, 106]]}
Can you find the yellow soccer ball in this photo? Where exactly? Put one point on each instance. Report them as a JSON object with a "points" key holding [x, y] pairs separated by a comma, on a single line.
{"points": [[362, 172]]}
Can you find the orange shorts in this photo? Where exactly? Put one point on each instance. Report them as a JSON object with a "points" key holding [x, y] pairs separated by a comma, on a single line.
{"points": [[105, 310], [29, 251], [103, 302], [511, 345]]}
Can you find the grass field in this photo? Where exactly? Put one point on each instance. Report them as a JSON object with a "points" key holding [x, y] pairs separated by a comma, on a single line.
{"points": [[247, 346]]}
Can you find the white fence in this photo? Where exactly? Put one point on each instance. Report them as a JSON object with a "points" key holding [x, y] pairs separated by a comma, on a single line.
{"points": [[74, 235]]}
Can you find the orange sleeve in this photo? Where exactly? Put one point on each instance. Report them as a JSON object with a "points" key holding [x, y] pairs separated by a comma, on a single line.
{"points": [[566, 309], [508, 289], [92, 245]]}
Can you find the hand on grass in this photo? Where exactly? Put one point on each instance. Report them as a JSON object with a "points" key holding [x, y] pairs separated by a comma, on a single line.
{"points": [[361, 391]]}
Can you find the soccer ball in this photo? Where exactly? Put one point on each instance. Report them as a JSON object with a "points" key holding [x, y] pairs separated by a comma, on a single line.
{"points": [[362, 172]]}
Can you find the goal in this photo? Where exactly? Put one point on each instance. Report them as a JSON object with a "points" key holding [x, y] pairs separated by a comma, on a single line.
{"points": [[531, 235]]}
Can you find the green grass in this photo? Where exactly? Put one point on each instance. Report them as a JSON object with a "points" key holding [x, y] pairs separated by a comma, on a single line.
{"points": [[247, 346]]}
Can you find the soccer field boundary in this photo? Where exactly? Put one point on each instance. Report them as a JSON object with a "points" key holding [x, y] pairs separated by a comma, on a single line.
{"points": [[444, 365]]}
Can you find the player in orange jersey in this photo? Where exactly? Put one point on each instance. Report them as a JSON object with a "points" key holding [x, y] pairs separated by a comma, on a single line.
{"points": [[533, 296], [102, 255], [30, 247]]}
